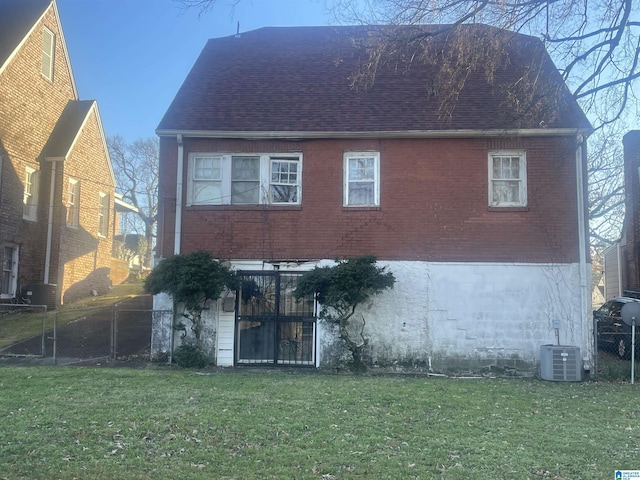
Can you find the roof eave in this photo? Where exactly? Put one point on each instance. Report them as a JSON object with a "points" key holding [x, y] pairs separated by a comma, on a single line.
{"points": [[461, 133]]}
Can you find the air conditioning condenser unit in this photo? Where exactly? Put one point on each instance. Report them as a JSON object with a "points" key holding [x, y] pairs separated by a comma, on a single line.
{"points": [[560, 363]]}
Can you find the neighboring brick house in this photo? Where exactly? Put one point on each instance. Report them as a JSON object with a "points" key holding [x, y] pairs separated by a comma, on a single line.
{"points": [[56, 179], [622, 260], [276, 160]]}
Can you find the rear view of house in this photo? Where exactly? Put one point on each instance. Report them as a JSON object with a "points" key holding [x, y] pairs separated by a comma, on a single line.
{"points": [[56, 181], [286, 148]]}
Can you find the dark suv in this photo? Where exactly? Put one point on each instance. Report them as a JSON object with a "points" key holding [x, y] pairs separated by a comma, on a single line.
{"points": [[613, 334]]}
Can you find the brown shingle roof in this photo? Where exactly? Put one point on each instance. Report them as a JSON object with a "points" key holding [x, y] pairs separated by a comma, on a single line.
{"points": [[300, 79]]}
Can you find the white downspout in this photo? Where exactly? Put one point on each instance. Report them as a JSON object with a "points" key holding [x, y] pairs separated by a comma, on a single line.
{"points": [[178, 226], [582, 244], [47, 257]]}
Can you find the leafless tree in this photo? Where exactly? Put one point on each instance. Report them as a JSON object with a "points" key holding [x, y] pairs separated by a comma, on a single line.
{"points": [[606, 185], [136, 168]]}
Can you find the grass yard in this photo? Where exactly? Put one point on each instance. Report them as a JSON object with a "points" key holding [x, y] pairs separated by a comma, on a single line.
{"points": [[163, 423]]}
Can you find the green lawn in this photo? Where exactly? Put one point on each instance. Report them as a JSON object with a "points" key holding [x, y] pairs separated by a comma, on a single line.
{"points": [[164, 423]]}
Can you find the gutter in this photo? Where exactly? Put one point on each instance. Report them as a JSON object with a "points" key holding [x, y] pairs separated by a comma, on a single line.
{"points": [[179, 175], [465, 133], [582, 235], [47, 255]]}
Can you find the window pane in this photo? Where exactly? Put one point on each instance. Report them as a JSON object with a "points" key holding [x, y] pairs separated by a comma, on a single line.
{"points": [[207, 168], [284, 172], [361, 169], [506, 192], [361, 193], [245, 168], [207, 193], [284, 194], [245, 192]]}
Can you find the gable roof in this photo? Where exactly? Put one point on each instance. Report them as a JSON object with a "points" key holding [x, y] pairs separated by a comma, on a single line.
{"points": [[300, 80], [18, 18], [16, 21], [68, 129]]}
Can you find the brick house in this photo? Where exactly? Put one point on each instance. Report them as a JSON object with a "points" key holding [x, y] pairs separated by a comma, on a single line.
{"points": [[276, 160], [622, 259], [56, 180]]}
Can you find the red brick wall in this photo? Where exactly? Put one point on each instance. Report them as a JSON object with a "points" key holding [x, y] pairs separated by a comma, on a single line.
{"points": [[29, 108], [433, 205], [630, 260]]}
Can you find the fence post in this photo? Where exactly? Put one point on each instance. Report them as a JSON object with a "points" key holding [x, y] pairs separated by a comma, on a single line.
{"points": [[44, 332], [55, 337], [114, 331], [595, 349]]}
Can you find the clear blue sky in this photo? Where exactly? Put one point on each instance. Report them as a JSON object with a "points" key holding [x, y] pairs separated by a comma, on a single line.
{"points": [[133, 55]]}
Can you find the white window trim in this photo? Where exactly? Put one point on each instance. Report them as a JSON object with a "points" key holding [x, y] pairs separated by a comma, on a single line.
{"points": [[376, 181], [103, 214], [14, 270], [523, 177], [30, 198], [48, 58], [75, 220], [225, 180]]}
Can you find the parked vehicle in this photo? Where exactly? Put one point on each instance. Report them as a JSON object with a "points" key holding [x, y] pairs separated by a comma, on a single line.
{"points": [[613, 334]]}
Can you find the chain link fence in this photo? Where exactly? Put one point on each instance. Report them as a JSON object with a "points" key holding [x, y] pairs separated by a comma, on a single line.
{"points": [[23, 330], [63, 337], [613, 349]]}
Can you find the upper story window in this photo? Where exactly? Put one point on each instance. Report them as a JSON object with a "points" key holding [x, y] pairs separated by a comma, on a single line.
{"points": [[30, 196], [103, 215], [507, 179], [48, 49], [361, 179], [284, 180], [73, 202], [223, 179]]}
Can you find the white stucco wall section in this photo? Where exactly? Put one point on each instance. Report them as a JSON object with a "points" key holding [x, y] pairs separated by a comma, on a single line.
{"points": [[440, 316], [474, 314]]}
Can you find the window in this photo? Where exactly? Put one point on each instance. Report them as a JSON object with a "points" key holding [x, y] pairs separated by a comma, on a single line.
{"points": [[245, 180], [73, 202], [218, 179], [9, 271], [361, 179], [206, 180], [284, 181], [103, 215], [507, 179], [30, 197], [48, 48]]}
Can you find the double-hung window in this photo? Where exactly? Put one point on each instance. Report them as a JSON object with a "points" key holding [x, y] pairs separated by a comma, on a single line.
{"points": [[239, 179], [103, 214], [361, 179], [48, 49], [9, 271], [206, 180], [73, 202], [507, 179], [30, 196], [245, 180], [285, 183]]}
